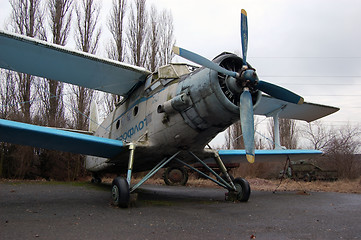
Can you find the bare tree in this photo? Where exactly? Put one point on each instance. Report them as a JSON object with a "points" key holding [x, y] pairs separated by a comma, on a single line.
{"points": [[8, 101], [116, 27], [116, 49], [342, 150], [288, 132], [160, 38], [87, 31], [154, 39], [138, 33], [26, 19], [8, 110], [234, 136], [87, 39], [149, 39], [60, 20], [167, 38], [53, 163], [318, 135]]}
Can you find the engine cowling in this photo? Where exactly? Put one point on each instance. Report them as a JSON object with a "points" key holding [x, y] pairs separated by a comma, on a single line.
{"points": [[213, 98]]}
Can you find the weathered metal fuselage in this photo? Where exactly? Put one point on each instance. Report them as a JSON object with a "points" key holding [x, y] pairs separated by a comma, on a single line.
{"points": [[167, 115]]}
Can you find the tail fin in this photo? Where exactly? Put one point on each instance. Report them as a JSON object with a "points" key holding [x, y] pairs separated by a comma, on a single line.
{"points": [[94, 119]]}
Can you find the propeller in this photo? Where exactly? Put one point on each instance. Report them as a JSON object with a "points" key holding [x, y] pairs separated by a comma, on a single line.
{"points": [[247, 124], [244, 81], [244, 36], [246, 104]]}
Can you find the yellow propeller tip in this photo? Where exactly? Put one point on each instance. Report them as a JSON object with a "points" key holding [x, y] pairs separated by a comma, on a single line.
{"points": [[301, 101], [244, 12], [250, 158], [176, 50]]}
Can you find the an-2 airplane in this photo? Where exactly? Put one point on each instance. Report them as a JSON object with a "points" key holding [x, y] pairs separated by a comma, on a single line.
{"points": [[165, 118]]}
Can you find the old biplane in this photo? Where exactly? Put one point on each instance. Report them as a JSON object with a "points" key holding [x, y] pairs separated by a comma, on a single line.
{"points": [[167, 117]]}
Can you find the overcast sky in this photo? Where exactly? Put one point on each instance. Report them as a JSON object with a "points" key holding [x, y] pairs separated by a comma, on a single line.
{"points": [[311, 47]]}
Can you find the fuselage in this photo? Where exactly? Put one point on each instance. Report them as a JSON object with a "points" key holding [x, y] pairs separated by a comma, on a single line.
{"points": [[174, 109]]}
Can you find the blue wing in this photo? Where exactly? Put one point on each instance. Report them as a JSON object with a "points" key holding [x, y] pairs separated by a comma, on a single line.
{"points": [[55, 139], [236, 156], [28, 55]]}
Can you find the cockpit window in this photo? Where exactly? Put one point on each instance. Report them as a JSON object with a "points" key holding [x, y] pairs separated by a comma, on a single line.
{"points": [[166, 74], [172, 71]]}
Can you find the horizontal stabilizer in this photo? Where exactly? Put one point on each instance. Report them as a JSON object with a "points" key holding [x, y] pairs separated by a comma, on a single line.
{"points": [[28, 55], [307, 111], [55, 139], [237, 156]]}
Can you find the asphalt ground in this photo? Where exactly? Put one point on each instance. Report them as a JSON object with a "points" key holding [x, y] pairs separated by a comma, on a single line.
{"points": [[83, 211]]}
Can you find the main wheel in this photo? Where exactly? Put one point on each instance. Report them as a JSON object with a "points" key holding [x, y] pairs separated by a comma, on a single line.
{"points": [[243, 189], [96, 180], [120, 192], [175, 176]]}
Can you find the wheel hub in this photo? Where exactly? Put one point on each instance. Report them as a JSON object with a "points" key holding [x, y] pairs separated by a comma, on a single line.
{"points": [[175, 176], [115, 194]]}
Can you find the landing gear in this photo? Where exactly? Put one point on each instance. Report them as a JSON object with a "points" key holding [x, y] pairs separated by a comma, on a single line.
{"points": [[242, 192], [96, 178], [120, 192], [175, 176], [238, 189], [121, 189]]}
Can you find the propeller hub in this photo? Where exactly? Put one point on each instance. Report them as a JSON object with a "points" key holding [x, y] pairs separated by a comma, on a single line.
{"points": [[248, 78], [249, 75]]}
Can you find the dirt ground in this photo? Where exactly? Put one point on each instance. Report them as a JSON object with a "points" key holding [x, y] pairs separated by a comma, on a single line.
{"points": [[258, 184]]}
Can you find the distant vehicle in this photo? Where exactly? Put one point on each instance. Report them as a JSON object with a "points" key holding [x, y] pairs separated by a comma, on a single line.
{"points": [[303, 170]]}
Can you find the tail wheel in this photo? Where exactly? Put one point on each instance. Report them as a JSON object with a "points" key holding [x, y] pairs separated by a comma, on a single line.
{"points": [[120, 192], [175, 176], [243, 190]]}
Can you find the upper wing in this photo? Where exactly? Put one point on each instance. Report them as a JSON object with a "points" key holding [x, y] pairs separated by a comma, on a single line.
{"points": [[55, 139], [39, 58], [306, 111], [236, 156]]}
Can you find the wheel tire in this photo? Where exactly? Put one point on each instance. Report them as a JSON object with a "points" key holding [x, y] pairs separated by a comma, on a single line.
{"points": [[175, 176], [96, 180], [243, 189], [307, 178], [120, 192]]}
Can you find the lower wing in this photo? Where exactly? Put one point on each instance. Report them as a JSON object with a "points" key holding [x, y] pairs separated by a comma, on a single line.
{"points": [[236, 156], [55, 139]]}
